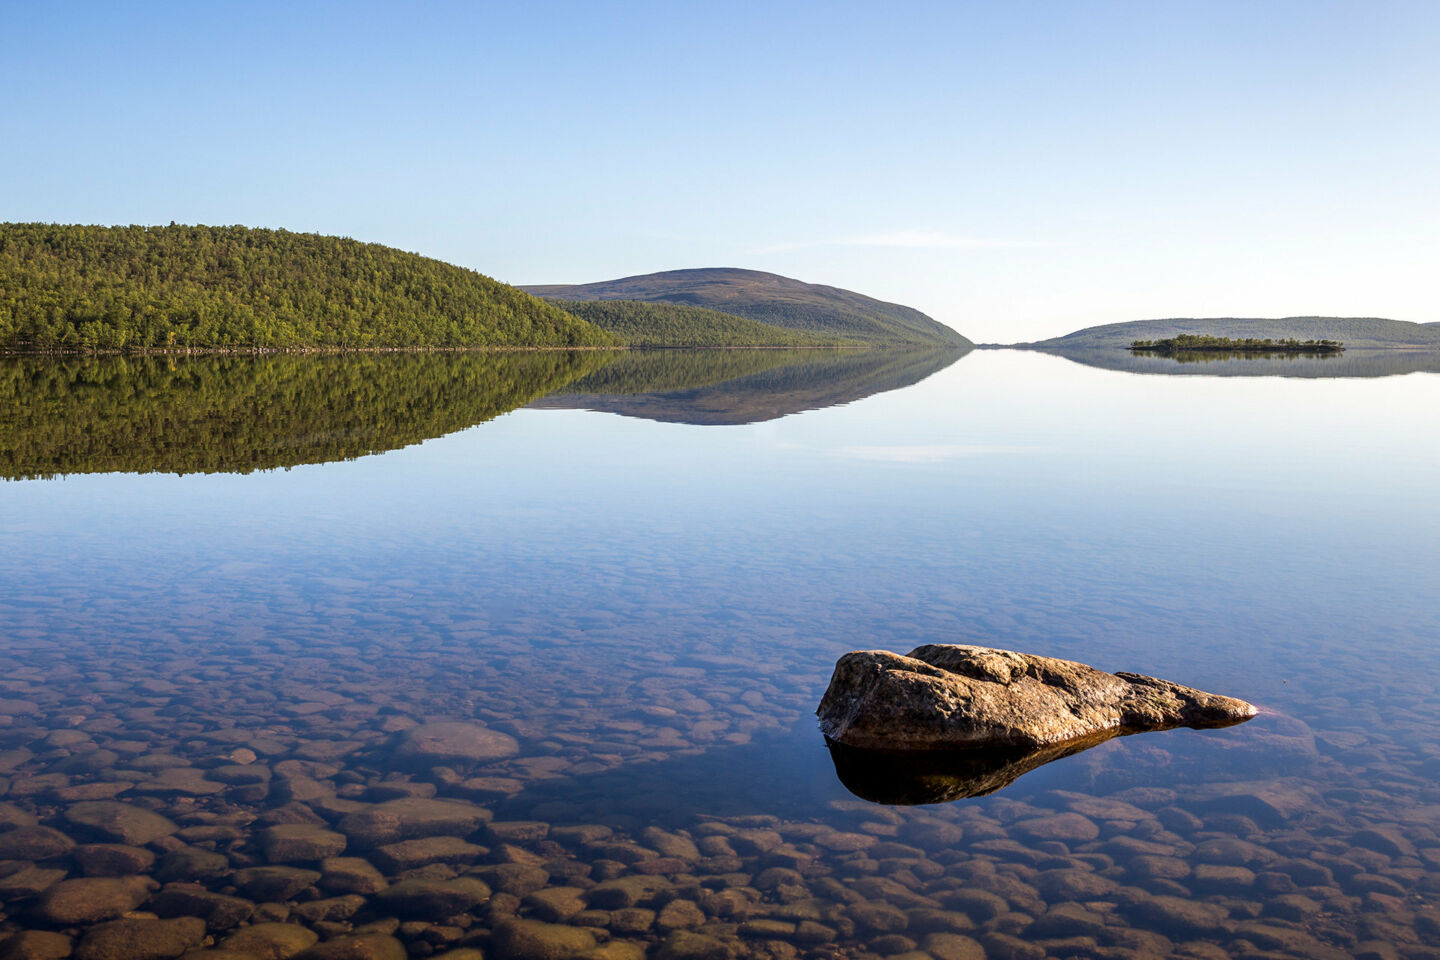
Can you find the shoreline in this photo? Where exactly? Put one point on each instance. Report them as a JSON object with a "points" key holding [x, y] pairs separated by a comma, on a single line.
{"points": [[271, 351]]}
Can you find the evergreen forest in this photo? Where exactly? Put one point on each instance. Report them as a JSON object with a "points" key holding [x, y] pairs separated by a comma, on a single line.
{"points": [[90, 288], [1187, 343], [640, 324]]}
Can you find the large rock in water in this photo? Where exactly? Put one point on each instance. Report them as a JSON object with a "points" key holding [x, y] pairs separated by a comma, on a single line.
{"points": [[957, 696]]}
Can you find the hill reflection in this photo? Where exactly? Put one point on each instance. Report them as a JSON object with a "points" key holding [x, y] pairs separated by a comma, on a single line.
{"points": [[238, 414], [717, 387]]}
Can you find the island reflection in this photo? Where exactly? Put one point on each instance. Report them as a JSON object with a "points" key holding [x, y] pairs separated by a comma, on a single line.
{"points": [[1353, 363]]}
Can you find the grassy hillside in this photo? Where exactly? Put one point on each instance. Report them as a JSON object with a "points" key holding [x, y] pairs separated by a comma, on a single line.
{"points": [[1351, 331], [640, 324], [771, 299], [126, 288], [236, 414]]}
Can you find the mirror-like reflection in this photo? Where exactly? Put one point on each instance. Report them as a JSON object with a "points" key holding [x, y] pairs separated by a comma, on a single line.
{"points": [[1220, 356], [910, 778], [735, 387], [238, 414], [1352, 363]]}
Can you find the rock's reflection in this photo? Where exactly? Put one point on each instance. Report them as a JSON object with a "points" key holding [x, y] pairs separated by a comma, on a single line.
{"points": [[907, 778]]}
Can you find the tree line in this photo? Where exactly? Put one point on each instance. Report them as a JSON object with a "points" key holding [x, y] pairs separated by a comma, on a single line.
{"points": [[1193, 343], [647, 324], [89, 288]]}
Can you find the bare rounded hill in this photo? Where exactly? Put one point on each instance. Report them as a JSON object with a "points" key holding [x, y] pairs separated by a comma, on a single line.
{"points": [[773, 299]]}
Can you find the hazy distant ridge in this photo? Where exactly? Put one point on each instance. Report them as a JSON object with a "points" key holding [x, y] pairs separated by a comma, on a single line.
{"points": [[1371, 332], [773, 299]]}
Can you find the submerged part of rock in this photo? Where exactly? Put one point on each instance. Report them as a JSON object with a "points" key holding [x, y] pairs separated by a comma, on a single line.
{"points": [[957, 696]]}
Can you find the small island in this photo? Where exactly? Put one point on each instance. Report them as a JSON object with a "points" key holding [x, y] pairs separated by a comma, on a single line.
{"points": [[1187, 343]]}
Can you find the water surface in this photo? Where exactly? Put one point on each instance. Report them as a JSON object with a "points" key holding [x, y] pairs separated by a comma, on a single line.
{"points": [[651, 608]]}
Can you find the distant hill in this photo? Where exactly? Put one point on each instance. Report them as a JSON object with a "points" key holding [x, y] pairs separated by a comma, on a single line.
{"points": [[639, 324], [772, 299], [81, 288], [1352, 331]]}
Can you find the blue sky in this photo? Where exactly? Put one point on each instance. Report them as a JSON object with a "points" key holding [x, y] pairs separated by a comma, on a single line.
{"points": [[1016, 170]]}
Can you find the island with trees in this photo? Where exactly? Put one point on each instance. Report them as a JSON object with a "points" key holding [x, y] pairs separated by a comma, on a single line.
{"points": [[1356, 333], [1186, 344]]}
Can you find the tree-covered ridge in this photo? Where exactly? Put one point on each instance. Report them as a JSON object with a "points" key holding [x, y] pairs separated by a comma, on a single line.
{"points": [[641, 324], [773, 299], [237, 414], [1187, 343], [138, 288]]}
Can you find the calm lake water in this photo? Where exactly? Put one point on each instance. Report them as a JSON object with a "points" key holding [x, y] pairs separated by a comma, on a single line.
{"points": [[643, 573]]}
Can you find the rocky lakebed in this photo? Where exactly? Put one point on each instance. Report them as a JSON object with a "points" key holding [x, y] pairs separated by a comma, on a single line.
{"points": [[216, 807]]}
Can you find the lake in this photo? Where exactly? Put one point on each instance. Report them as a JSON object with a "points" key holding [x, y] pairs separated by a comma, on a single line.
{"points": [[232, 590]]}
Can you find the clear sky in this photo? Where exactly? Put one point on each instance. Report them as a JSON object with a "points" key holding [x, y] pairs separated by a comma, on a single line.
{"points": [[1015, 169]]}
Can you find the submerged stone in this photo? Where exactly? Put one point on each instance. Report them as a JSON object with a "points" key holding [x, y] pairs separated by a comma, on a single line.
{"points": [[433, 899], [112, 859], [300, 842], [34, 843], [536, 940], [365, 946], [271, 941], [140, 939], [411, 817], [120, 822], [91, 899], [35, 945], [219, 911], [450, 742], [949, 696]]}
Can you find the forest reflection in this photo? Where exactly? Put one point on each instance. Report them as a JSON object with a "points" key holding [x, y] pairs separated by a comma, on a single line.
{"points": [[238, 414]]}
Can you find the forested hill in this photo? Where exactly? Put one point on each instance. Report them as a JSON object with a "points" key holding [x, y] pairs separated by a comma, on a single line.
{"points": [[136, 288], [771, 299], [639, 324], [1363, 332]]}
